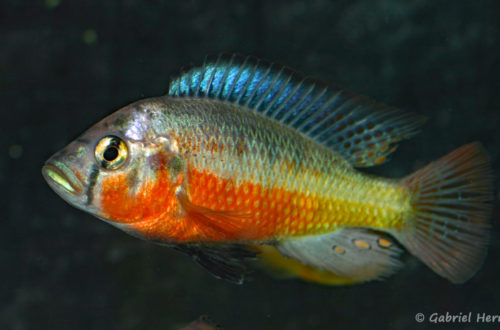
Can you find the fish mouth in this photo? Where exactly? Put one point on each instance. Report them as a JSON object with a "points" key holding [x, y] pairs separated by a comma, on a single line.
{"points": [[61, 178]]}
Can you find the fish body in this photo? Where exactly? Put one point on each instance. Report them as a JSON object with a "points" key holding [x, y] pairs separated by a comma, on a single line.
{"points": [[275, 183], [245, 154]]}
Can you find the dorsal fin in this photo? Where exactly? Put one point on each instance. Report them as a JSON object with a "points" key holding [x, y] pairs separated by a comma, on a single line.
{"points": [[361, 130]]}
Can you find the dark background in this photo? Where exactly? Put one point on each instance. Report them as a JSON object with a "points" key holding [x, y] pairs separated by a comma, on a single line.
{"points": [[64, 65]]}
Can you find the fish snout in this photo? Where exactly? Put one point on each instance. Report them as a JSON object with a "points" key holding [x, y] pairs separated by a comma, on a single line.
{"points": [[61, 178]]}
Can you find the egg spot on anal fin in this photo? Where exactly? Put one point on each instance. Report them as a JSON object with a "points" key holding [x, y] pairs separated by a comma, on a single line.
{"points": [[340, 250], [348, 252], [361, 244], [385, 243]]}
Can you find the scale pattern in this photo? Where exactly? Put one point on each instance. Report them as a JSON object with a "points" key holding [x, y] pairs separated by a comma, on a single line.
{"points": [[363, 131], [288, 184]]}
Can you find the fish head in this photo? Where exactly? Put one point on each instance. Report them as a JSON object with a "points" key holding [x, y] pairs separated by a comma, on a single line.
{"points": [[120, 170]]}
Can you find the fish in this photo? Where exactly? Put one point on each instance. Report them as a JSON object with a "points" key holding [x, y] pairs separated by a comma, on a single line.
{"points": [[249, 161], [204, 322]]}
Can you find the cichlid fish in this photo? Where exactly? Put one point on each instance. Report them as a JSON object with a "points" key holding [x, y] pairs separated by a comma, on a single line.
{"points": [[204, 322], [245, 158]]}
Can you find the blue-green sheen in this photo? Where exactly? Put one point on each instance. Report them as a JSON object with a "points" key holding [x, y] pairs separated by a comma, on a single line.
{"points": [[358, 128]]}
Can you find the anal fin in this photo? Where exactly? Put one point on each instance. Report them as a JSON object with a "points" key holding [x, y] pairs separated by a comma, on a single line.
{"points": [[350, 253], [279, 266]]}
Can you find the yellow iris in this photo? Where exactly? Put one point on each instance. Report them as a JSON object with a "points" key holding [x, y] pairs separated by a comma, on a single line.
{"points": [[111, 152]]}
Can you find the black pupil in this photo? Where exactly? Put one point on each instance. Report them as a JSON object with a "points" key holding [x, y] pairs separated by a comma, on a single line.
{"points": [[110, 154]]}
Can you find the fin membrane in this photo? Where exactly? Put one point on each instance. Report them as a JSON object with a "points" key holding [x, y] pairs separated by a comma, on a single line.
{"points": [[361, 130], [218, 225], [272, 261], [225, 262], [351, 253], [449, 230]]}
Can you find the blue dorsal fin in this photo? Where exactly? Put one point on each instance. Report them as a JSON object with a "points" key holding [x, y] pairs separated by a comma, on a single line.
{"points": [[361, 130]]}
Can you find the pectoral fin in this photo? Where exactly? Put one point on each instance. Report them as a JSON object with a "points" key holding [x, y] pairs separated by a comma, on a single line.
{"points": [[349, 253], [215, 225], [225, 262]]}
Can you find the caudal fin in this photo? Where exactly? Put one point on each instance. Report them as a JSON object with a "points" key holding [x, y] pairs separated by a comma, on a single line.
{"points": [[448, 229]]}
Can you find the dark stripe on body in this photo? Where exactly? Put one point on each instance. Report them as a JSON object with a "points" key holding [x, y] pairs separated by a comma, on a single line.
{"points": [[94, 174]]}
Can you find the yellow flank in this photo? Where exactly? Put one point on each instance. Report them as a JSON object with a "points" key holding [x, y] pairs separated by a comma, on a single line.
{"points": [[353, 199], [326, 202]]}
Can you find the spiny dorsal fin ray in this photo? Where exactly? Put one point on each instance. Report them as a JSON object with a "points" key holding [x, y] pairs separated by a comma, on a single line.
{"points": [[361, 130]]}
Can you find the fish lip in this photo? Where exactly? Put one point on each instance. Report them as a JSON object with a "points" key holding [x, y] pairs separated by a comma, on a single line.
{"points": [[61, 178]]}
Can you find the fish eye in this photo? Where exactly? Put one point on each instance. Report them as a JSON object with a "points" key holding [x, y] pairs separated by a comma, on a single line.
{"points": [[111, 152]]}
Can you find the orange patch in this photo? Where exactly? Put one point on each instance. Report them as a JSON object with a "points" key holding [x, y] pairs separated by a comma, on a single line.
{"points": [[216, 209], [275, 212], [151, 201], [152, 211], [380, 160], [269, 212]]}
